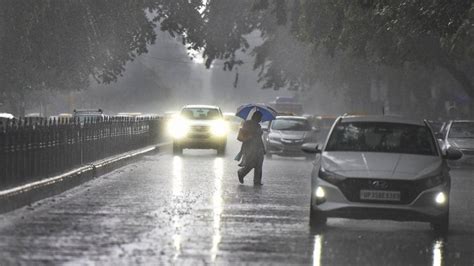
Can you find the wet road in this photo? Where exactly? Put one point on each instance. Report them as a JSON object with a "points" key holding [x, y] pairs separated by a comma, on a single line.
{"points": [[191, 210]]}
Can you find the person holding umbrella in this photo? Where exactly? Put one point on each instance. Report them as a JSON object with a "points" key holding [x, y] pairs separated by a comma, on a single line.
{"points": [[250, 134]]}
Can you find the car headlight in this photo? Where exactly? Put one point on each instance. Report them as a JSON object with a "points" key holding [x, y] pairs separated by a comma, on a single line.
{"points": [[219, 128], [178, 128], [433, 181], [329, 177], [274, 138]]}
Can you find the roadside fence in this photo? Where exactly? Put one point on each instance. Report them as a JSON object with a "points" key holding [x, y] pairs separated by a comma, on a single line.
{"points": [[32, 149]]}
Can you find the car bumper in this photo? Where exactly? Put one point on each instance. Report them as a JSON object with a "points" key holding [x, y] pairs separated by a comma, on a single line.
{"points": [[422, 208], [281, 149], [211, 142]]}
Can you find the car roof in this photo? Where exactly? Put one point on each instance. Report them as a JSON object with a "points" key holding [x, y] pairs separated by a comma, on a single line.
{"points": [[291, 117], [382, 118], [203, 106]]}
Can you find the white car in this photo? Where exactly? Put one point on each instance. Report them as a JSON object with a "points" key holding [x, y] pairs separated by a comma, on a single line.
{"points": [[379, 167], [459, 134], [199, 127]]}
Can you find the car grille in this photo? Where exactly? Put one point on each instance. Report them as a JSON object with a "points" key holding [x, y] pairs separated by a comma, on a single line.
{"points": [[292, 142], [409, 190], [200, 129]]}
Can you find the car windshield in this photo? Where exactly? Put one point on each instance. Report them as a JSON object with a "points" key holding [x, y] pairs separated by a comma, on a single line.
{"points": [[201, 113], [462, 130], [291, 124], [382, 137]]}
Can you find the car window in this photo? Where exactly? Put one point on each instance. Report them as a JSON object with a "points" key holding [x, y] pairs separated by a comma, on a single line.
{"points": [[291, 124], [462, 130], [201, 113], [382, 137]]}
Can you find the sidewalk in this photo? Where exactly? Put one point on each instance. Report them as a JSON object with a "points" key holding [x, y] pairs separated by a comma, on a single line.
{"points": [[13, 198]]}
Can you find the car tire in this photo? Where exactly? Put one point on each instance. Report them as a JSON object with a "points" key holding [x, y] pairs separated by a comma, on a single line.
{"points": [[317, 219], [177, 150], [441, 225]]}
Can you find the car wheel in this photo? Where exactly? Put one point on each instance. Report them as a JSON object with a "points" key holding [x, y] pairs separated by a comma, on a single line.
{"points": [[177, 150], [316, 218], [441, 225]]}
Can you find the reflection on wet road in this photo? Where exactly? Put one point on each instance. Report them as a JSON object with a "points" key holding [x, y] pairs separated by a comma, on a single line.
{"points": [[190, 209]]}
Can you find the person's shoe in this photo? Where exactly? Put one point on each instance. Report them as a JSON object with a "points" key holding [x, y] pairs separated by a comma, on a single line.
{"points": [[241, 178]]}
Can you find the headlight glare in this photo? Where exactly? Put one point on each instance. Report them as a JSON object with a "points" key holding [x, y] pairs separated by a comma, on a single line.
{"points": [[219, 128], [441, 198], [178, 128], [320, 192]]}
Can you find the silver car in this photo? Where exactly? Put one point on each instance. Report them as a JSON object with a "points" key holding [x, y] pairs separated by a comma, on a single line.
{"points": [[379, 167], [285, 135], [460, 135]]}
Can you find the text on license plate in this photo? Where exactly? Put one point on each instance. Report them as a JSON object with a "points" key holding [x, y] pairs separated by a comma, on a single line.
{"points": [[380, 195]]}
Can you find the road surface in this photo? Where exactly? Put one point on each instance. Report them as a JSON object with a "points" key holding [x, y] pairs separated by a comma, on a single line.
{"points": [[192, 210]]}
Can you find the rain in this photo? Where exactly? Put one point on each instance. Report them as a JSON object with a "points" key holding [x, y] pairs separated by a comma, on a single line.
{"points": [[250, 132]]}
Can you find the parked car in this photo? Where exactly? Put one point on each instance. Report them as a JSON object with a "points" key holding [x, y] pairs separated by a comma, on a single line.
{"points": [[199, 127], [285, 135], [380, 167], [34, 118], [5, 118], [83, 114], [459, 134]]}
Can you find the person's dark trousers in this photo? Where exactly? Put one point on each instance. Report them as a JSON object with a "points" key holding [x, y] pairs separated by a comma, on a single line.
{"points": [[257, 173]]}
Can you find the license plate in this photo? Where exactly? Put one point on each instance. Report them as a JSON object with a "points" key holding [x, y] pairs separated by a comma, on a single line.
{"points": [[380, 195]]}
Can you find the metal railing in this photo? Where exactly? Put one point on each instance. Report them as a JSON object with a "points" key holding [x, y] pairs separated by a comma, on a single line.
{"points": [[32, 149]]}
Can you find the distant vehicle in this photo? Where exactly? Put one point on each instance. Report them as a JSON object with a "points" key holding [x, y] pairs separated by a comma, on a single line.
{"points": [[285, 135], [34, 118], [287, 106], [459, 134], [199, 127], [4, 118], [133, 114], [381, 167], [233, 121], [83, 114], [65, 115]]}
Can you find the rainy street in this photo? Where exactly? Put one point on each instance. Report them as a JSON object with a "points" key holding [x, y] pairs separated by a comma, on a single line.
{"points": [[190, 209]]}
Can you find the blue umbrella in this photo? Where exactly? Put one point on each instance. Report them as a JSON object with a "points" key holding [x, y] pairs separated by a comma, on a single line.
{"points": [[246, 111]]}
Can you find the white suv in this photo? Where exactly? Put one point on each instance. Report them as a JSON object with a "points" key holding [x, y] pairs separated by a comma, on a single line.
{"points": [[379, 167], [199, 127]]}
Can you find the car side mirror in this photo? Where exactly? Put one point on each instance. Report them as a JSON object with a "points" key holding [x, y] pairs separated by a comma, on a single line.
{"points": [[311, 148], [453, 154], [265, 129]]}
